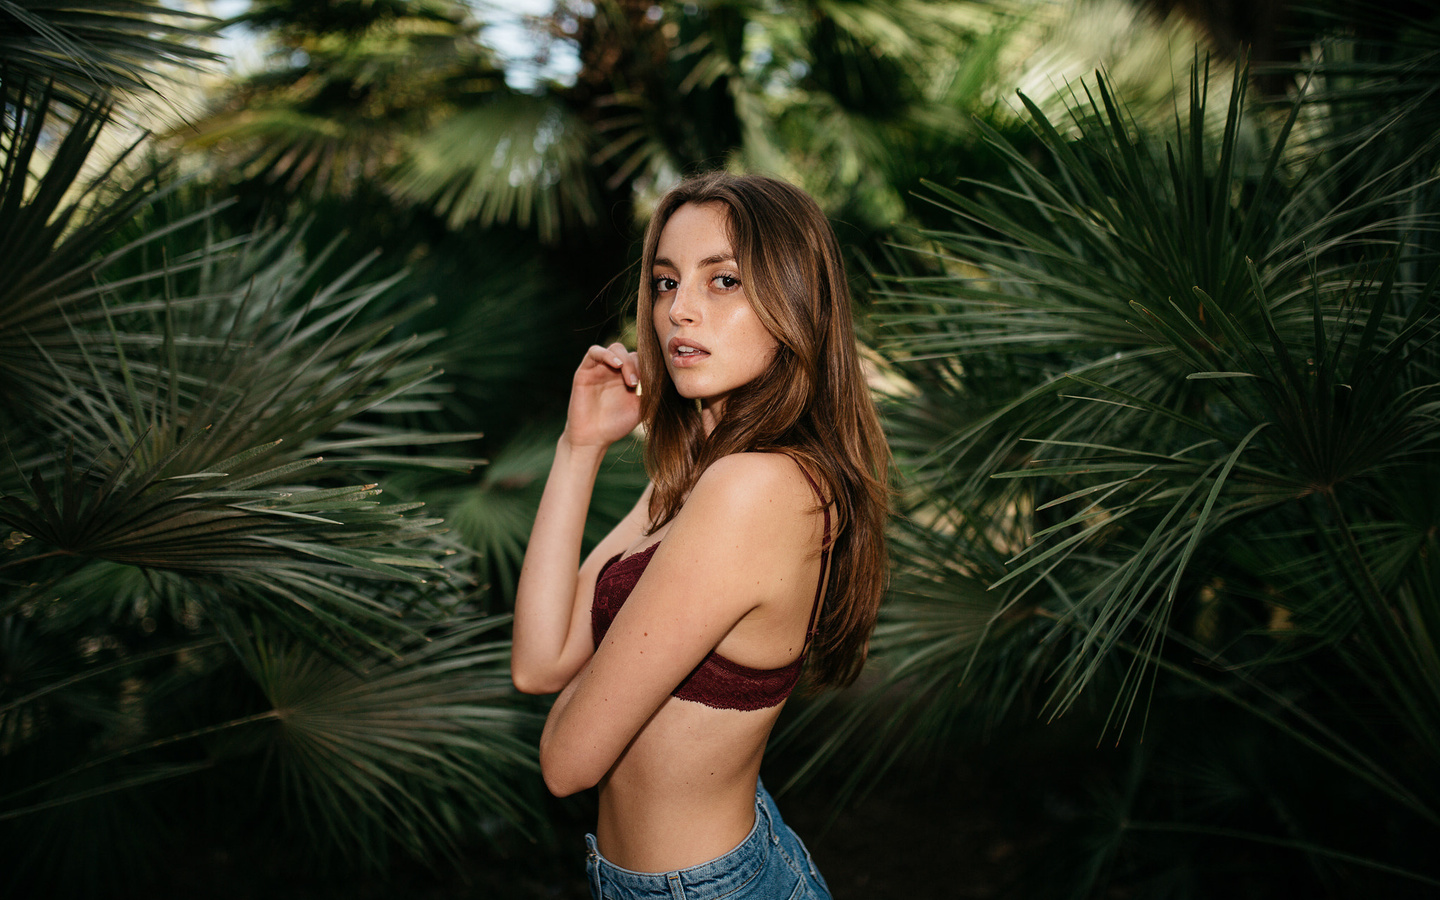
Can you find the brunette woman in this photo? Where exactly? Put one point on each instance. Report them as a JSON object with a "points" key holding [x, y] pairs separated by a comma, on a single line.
{"points": [[757, 547]]}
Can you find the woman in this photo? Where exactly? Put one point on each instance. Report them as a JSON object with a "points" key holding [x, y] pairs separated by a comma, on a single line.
{"points": [[758, 544]]}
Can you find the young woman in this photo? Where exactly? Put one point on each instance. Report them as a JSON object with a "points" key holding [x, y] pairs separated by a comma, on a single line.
{"points": [[758, 546]]}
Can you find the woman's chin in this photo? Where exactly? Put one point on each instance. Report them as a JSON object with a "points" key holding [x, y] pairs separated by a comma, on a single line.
{"points": [[688, 391]]}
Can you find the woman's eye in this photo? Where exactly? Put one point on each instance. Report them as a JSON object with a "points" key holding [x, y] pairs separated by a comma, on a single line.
{"points": [[664, 283], [727, 281]]}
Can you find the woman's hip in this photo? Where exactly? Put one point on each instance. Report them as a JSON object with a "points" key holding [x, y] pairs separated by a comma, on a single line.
{"points": [[771, 863]]}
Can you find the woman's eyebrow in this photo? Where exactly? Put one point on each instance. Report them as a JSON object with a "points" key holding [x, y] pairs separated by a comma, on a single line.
{"points": [[707, 261]]}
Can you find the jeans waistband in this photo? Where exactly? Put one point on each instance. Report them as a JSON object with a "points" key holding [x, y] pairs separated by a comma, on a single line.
{"points": [[723, 874]]}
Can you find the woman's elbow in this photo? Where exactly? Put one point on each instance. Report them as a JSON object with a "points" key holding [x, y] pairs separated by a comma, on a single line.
{"points": [[561, 786], [527, 683], [562, 778], [534, 680]]}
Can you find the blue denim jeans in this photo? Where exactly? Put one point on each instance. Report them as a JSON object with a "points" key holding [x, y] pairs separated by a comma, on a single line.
{"points": [[770, 864]]}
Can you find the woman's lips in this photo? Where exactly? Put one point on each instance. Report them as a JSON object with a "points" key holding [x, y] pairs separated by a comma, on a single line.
{"points": [[685, 352]]}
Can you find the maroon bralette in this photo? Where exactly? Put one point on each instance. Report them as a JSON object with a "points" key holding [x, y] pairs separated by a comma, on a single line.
{"points": [[717, 681]]}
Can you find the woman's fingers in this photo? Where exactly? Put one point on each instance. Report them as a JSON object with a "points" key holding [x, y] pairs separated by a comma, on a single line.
{"points": [[629, 364], [604, 356], [599, 414], [617, 358]]}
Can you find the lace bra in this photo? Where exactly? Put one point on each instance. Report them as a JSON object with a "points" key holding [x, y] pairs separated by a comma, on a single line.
{"points": [[716, 681]]}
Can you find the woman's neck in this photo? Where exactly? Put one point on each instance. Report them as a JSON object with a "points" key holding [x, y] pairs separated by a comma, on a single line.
{"points": [[710, 414]]}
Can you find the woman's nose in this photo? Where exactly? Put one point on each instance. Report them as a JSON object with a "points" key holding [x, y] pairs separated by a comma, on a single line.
{"points": [[685, 308]]}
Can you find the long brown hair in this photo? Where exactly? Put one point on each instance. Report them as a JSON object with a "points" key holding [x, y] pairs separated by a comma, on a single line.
{"points": [[812, 402]]}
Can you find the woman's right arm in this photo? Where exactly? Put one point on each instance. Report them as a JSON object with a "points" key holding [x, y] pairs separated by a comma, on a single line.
{"points": [[552, 600]]}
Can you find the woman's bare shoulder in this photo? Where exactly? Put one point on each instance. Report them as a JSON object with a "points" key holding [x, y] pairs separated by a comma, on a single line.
{"points": [[756, 484], [758, 470]]}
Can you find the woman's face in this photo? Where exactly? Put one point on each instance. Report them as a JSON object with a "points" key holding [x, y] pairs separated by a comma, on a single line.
{"points": [[710, 337]]}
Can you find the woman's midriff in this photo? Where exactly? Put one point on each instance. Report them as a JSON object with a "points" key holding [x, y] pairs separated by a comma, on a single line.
{"points": [[683, 792]]}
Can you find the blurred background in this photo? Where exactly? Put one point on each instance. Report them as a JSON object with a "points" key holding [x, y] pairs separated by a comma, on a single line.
{"points": [[290, 296]]}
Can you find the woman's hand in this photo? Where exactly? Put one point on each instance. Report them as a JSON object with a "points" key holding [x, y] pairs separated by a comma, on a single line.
{"points": [[604, 399]]}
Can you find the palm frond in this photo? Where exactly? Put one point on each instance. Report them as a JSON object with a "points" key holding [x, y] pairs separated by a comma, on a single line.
{"points": [[494, 517], [520, 159], [91, 50], [186, 467], [1172, 381], [347, 86], [53, 227], [412, 749]]}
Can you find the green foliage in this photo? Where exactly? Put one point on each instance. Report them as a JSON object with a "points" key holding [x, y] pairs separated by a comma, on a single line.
{"points": [[402, 751], [1159, 398], [512, 160], [1162, 392], [205, 603], [96, 48], [493, 517], [348, 85]]}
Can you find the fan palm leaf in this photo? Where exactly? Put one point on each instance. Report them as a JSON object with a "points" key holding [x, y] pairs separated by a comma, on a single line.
{"points": [[1179, 259], [204, 594], [406, 749], [54, 225], [520, 159], [186, 466], [1155, 396], [96, 48], [493, 517], [350, 82]]}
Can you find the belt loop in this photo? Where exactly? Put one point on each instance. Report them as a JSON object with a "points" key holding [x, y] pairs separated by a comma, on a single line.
{"points": [[592, 865], [677, 890], [762, 807]]}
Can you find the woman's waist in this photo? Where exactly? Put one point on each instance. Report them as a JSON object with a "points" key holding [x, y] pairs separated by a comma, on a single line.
{"points": [[686, 743], [658, 819]]}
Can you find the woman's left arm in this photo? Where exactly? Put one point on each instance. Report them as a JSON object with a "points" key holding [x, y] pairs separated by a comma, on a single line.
{"points": [[724, 555]]}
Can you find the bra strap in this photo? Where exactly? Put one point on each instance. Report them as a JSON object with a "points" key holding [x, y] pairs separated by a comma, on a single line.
{"points": [[824, 561]]}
